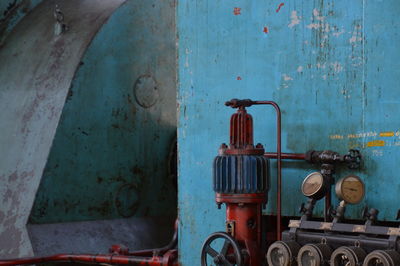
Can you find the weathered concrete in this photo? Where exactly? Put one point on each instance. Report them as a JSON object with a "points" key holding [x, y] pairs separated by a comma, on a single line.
{"points": [[36, 70], [93, 237]]}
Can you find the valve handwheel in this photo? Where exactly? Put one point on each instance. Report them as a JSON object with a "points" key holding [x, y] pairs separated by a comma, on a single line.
{"points": [[222, 257]]}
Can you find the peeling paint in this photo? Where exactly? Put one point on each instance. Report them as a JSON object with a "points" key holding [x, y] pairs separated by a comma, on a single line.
{"points": [[342, 87], [286, 77], [295, 20], [338, 33], [356, 35], [279, 7], [317, 15], [314, 26], [337, 67]]}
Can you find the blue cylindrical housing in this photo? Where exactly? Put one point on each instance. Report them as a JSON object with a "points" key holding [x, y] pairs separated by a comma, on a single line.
{"points": [[240, 174]]}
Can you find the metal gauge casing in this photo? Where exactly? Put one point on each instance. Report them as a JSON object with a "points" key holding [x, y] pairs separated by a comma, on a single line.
{"points": [[351, 189], [314, 186]]}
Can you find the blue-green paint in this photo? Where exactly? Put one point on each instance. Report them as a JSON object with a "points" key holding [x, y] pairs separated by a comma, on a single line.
{"points": [[109, 158], [330, 65], [11, 12], [70, 123]]}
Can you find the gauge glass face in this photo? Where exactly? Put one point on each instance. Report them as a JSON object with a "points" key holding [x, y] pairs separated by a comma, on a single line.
{"points": [[309, 258], [279, 257], [351, 189], [312, 184]]}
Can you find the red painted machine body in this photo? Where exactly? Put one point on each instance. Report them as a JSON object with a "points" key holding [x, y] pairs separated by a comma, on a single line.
{"points": [[244, 210], [243, 217]]}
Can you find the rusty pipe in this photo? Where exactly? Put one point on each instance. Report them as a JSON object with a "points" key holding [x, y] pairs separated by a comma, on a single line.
{"points": [[93, 259], [165, 256], [286, 156], [279, 159]]}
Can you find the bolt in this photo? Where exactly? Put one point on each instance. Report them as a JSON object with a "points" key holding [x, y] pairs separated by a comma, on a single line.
{"points": [[223, 146], [251, 224], [259, 146]]}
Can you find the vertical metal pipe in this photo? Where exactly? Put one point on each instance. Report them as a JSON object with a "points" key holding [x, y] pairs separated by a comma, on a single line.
{"points": [[327, 204], [279, 170]]}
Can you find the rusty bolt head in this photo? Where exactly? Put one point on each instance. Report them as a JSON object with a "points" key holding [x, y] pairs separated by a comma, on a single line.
{"points": [[119, 249]]}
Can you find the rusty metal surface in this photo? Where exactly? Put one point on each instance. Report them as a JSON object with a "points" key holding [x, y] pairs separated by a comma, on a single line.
{"points": [[36, 69]]}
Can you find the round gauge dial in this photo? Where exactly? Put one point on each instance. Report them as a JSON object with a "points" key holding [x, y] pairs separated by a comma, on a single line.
{"points": [[350, 189], [313, 185]]}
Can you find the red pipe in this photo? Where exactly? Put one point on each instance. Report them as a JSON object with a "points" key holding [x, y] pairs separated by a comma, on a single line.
{"points": [[286, 156], [165, 256], [110, 259], [279, 170]]}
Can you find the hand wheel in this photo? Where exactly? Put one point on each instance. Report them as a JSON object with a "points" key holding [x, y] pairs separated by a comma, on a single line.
{"points": [[221, 258]]}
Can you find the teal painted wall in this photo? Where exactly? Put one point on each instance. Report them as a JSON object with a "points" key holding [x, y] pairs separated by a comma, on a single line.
{"points": [[109, 158], [332, 67]]}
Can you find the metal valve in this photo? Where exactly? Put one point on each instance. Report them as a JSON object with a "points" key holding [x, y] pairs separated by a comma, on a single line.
{"points": [[236, 103], [307, 209], [352, 158], [370, 214]]}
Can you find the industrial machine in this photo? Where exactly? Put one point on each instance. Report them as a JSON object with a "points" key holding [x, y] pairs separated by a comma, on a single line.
{"points": [[310, 241], [241, 179]]}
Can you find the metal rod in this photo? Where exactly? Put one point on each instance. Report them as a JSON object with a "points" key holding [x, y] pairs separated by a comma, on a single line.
{"points": [[279, 170], [155, 257], [87, 258], [328, 203], [286, 156]]}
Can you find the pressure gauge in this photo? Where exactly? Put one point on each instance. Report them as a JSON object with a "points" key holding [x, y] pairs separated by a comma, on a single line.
{"points": [[283, 253], [350, 189], [314, 186], [314, 254]]}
